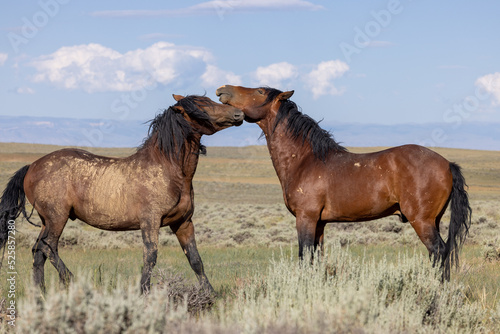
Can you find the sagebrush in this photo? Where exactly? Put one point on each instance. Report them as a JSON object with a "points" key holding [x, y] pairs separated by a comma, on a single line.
{"points": [[339, 293]]}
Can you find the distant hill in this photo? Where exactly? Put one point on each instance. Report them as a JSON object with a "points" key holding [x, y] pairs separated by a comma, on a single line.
{"points": [[128, 133]]}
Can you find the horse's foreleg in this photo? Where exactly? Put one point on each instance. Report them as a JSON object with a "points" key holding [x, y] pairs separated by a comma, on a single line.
{"points": [[185, 235], [318, 240], [150, 238], [309, 236]]}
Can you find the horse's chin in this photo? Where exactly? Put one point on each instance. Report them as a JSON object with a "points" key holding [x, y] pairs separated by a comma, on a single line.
{"points": [[250, 120], [226, 125], [237, 123]]}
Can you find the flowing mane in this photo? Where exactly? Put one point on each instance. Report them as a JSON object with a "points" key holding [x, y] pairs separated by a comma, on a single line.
{"points": [[170, 131], [302, 126]]}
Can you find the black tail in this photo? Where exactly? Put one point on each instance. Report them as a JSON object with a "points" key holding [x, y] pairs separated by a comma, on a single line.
{"points": [[460, 219], [12, 204]]}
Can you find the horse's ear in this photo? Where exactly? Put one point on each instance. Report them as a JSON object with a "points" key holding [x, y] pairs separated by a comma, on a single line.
{"points": [[177, 97], [285, 95]]}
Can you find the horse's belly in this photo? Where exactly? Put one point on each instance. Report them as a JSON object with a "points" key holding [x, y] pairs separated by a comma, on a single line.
{"points": [[361, 208], [106, 220], [114, 225]]}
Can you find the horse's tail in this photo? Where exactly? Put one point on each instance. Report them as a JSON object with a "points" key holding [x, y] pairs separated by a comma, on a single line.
{"points": [[12, 204], [460, 219]]}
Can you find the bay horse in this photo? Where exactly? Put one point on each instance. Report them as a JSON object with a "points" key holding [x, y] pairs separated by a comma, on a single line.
{"points": [[147, 190], [322, 182]]}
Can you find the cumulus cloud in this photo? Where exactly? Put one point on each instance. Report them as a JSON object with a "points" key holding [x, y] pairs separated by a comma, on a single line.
{"points": [[96, 68], [490, 83], [274, 74], [321, 79], [216, 7], [3, 58], [215, 77]]}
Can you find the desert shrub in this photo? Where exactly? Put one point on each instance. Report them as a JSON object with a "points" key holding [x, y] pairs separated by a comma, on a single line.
{"points": [[481, 220], [240, 237], [392, 227], [179, 291], [340, 294], [84, 309], [491, 251]]}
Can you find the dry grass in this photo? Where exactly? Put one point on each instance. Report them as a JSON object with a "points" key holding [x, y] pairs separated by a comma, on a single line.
{"points": [[342, 293], [239, 215]]}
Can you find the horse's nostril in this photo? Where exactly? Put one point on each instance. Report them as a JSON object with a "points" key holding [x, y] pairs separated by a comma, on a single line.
{"points": [[238, 115]]}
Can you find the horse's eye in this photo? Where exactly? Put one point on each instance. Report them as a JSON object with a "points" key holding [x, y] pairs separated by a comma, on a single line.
{"points": [[260, 91]]}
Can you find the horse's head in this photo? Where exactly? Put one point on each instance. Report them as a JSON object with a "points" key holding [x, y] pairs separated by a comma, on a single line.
{"points": [[256, 103], [207, 116]]}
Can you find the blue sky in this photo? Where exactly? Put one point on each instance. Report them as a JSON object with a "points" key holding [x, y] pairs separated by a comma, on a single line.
{"points": [[383, 62]]}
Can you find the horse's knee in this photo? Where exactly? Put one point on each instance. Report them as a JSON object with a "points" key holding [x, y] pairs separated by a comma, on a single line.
{"points": [[308, 231], [39, 259], [306, 244], [194, 258], [196, 264], [150, 258]]}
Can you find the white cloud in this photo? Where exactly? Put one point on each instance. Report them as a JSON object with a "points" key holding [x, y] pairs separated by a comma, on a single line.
{"points": [[216, 7], [96, 68], [215, 77], [320, 79], [3, 58], [274, 74], [491, 84]]}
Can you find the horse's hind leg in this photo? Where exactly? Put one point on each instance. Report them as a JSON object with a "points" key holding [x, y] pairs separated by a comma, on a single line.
{"points": [[39, 258], [428, 233], [185, 235], [47, 247]]}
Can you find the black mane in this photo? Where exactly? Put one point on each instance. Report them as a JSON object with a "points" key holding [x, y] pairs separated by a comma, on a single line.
{"points": [[170, 131], [300, 125]]}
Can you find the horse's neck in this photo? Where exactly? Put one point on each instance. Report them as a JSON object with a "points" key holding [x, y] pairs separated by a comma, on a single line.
{"points": [[191, 156], [185, 165], [286, 153]]}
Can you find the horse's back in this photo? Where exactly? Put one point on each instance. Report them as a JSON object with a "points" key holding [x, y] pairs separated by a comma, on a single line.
{"points": [[371, 185], [102, 191], [60, 167], [407, 167]]}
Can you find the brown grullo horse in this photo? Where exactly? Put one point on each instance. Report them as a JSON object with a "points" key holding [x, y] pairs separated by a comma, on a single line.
{"points": [[147, 190], [322, 182]]}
